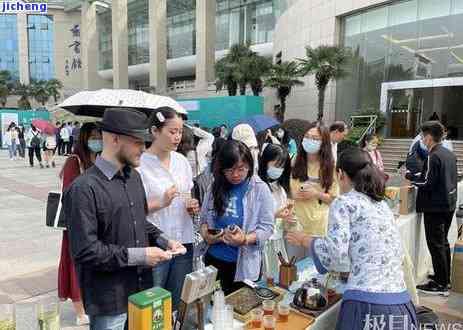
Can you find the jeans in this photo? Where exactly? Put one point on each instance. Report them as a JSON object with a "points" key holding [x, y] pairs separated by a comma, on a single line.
{"points": [[170, 275], [35, 151], [436, 227], [110, 322], [22, 148], [12, 150]]}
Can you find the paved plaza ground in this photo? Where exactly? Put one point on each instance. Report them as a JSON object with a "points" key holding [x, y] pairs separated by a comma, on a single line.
{"points": [[29, 251]]}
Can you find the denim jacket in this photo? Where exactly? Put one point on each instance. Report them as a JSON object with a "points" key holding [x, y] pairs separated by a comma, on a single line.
{"points": [[259, 215]]}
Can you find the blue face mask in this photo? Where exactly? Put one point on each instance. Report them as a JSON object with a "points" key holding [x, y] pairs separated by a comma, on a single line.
{"points": [[95, 145], [274, 173], [311, 146]]}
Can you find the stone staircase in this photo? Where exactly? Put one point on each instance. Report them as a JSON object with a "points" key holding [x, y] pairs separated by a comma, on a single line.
{"points": [[395, 150]]}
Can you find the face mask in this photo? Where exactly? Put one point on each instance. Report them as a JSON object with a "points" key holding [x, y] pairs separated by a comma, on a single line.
{"points": [[280, 134], [274, 173], [311, 146], [95, 145]]}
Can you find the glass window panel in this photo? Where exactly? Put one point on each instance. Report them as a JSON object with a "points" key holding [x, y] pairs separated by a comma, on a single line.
{"points": [[403, 13], [433, 8], [375, 19], [457, 7], [352, 25]]}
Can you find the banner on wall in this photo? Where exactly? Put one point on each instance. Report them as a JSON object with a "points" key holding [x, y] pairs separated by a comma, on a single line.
{"points": [[6, 119]]}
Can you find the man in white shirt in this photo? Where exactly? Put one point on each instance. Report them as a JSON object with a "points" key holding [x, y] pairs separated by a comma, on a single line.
{"points": [[338, 132]]}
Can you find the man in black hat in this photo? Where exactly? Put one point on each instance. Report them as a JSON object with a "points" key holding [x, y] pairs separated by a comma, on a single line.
{"points": [[112, 244]]}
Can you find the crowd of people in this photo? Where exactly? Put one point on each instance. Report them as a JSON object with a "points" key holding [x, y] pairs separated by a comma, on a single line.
{"points": [[40, 145], [146, 198]]}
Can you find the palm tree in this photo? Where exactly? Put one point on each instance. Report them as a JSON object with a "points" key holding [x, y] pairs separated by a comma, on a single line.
{"points": [[240, 67], [257, 67], [5, 76], [40, 92], [54, 87], [283, 77], [24, 92], [4, 93], [327, 63], [224, 76]]}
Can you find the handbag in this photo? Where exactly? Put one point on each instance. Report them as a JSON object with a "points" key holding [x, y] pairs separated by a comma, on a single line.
{"points": [[55, 217]]}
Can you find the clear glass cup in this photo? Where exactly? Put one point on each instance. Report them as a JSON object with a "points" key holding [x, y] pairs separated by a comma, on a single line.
{"points": [[269, 322], [229, 316], [283, 312], [256, 318], [268, 306], [7, 317], [26, 315]]}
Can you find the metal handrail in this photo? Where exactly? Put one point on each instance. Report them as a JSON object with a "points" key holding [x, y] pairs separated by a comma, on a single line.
{"points": [[371, 128]]}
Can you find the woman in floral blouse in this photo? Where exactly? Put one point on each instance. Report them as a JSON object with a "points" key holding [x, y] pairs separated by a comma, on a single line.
{"points": [[363, 240]]}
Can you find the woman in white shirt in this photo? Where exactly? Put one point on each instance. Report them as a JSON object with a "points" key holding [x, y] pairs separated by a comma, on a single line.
{"points": [[11, 140], [275, 170], [168, 180]]}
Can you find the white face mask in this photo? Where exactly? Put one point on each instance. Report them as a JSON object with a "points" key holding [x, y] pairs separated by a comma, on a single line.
{"points": [[274, 173], [311, 146]]}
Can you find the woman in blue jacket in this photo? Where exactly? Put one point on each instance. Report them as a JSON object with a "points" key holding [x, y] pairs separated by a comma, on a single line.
{"points": [[237, 217]]}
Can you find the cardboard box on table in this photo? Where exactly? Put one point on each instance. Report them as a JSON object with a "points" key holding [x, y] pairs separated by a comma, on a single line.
{"points": [[457, 267]]}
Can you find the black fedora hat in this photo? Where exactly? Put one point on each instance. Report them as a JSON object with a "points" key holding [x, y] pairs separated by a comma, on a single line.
{"points": [[126, 121]]}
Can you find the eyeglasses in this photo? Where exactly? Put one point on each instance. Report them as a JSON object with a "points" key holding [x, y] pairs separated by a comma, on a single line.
{"points": [[241, 170]]}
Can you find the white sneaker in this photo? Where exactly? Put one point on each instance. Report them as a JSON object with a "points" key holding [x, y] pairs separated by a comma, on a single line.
{"points": [[82, 320]]}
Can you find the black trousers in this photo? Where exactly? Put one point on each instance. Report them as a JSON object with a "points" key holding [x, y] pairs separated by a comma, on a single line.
{"points": [[70, 145], [437, 226], [37, 154], [225, 274]]}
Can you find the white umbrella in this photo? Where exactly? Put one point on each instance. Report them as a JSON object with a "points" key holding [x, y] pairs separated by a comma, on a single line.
{"points": [[94, 103]]}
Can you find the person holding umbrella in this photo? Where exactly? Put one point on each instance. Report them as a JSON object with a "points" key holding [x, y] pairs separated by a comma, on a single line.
{"points": [[33, 142], [49, 140], [114, 264]]}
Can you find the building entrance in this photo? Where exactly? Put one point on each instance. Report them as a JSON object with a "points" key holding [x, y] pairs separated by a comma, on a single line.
{"points": [[407, 104]]}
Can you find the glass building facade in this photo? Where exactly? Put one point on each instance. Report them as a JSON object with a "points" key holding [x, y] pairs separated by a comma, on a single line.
{"points": [[237, 21], [138, 31], [181, 28], [404, 40], [105, 40], [41, 47], [9, 52]]}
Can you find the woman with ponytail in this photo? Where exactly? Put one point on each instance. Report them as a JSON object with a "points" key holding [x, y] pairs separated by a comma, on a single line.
{"points": [[362, 239]]}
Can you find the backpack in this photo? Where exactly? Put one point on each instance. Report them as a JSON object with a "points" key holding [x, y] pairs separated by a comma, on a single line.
{"points": [[414, 163], [35, 141]]}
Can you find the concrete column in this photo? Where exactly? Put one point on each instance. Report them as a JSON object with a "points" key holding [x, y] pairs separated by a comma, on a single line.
{"points": [[205, 42], [23, 47], [158, 45], [89, 40], [120, 44]]}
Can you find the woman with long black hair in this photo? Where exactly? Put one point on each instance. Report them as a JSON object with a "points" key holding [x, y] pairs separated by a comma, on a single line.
{"points": [[363, 239], [275, 171], [237, 217], [313, 184], [87, 147]]}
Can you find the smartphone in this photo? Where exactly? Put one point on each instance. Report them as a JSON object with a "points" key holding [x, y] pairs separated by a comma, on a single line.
{"points": [[177, 253], [214, 231]]}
